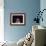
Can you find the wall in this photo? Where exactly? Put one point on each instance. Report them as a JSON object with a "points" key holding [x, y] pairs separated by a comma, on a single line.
{"points": [[43, 6], [1, 21], [30, 7]]}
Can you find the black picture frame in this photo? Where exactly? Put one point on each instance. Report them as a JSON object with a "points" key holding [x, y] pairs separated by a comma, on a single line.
{"points": [[17, 19]]}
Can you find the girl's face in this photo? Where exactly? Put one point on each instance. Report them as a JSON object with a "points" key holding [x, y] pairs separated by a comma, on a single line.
{"points": [[17, 20]]}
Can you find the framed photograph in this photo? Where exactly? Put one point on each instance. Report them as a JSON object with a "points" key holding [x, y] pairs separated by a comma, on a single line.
{"points": [[17, 18]]}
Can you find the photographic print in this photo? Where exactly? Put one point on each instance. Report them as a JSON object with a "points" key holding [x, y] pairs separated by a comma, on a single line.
{"points": [[17, 18]]}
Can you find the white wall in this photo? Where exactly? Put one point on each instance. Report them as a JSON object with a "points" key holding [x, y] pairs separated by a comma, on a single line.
{"points": [[1, 20], [43, 6]]}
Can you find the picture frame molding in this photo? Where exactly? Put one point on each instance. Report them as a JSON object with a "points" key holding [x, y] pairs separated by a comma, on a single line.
{"points": [[18, 14]]}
